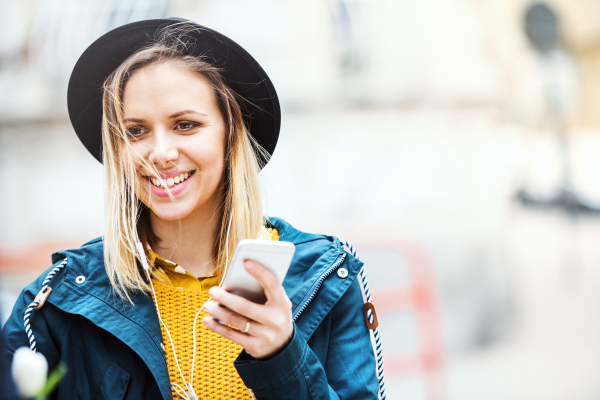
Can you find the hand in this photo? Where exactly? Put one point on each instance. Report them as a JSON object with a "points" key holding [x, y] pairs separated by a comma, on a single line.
{"points": [[271, 326]]}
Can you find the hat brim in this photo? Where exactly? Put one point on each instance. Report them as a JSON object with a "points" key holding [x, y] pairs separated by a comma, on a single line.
{"points": [[240, 70]]}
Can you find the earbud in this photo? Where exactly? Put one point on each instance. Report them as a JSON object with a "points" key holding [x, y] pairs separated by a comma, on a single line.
{"points": [[142, 255]]}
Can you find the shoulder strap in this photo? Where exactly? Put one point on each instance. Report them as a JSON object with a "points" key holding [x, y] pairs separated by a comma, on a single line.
{"points": [[372, 320]]}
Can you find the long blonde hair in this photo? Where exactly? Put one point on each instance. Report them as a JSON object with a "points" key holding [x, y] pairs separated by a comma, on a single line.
{"points": [[127, 219]]}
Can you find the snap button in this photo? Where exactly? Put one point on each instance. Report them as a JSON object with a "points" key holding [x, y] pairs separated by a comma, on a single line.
{"points": [[342, 273], [80, 279]]}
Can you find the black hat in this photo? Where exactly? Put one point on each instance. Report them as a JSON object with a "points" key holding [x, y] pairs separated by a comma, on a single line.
{"points": [[240, 71]]}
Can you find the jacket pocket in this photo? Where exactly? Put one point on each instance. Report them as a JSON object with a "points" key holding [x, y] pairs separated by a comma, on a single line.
{"points": [[114, 383]]}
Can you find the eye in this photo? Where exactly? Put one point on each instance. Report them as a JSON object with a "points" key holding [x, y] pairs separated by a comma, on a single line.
{"points": [[186, 126], [135, 132]]}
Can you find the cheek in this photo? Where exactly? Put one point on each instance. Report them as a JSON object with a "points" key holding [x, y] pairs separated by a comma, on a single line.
{"points": [[218, 157], [130, 157], [210, 155], [218, 163]]}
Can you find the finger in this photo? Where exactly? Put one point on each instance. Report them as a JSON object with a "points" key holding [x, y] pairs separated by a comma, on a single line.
{"points": [[238, 304], [267, 279], [226, 316], [238, 337]]}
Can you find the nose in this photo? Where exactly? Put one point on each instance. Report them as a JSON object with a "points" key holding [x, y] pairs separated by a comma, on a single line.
{"points": [[164, 149]]}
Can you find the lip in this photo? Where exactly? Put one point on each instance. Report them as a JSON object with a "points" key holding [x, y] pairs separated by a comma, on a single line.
{"points": [[160, 192]]}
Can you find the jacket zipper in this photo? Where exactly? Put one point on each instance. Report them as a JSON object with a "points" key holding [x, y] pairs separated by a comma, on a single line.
{"points": [[316, 286]]}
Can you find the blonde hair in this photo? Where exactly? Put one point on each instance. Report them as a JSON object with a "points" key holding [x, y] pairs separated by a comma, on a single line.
{"points": [[127, 219]]}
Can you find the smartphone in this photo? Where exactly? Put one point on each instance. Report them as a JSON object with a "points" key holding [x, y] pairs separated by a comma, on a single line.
{"points": [[274, 255]]}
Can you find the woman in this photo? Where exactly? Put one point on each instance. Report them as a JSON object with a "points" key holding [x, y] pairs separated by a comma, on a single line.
{"points": [[186, 119]]}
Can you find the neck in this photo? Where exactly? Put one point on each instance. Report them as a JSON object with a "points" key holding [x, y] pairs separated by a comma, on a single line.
{"points": [[189, 241]]}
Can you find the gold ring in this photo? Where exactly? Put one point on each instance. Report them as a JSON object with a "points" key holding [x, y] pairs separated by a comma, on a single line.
{"points": [[247, 327]]}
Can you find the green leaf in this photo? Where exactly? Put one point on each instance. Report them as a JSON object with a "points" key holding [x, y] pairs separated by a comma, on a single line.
{"points": [[52, 382]]}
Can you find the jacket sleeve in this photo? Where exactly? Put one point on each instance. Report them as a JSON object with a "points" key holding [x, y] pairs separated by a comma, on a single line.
{"points": [[348, 372], [43, 322]]}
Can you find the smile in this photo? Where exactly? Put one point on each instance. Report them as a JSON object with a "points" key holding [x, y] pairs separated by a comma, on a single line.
{"points": [[168, 183]]}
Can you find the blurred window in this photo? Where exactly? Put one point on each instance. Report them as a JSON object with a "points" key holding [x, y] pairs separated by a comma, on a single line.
{"points": [[62, 29]]}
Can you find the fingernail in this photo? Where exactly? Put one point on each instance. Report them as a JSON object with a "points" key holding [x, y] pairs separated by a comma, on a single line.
{"points": [[250, 265], [212, 292], [206, 321]]}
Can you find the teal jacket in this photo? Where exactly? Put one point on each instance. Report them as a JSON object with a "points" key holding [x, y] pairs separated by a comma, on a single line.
{"points": [[113, 349]]}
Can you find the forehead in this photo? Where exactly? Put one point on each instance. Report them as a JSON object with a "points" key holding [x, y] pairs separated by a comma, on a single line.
{"points": [[166, 88]]}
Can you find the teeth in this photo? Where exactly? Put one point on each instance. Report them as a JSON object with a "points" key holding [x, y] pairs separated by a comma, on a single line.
{"points": [[170, 182]]}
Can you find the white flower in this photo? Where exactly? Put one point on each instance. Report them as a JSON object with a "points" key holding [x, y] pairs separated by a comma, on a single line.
{"points": [[29, 371]]}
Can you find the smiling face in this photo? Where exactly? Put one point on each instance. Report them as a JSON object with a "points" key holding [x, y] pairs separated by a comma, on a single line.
{"points": [[175, 126]]}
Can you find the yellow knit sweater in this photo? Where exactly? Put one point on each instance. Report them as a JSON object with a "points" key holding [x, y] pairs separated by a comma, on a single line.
{"points": [[215, 377], [179, 296]]}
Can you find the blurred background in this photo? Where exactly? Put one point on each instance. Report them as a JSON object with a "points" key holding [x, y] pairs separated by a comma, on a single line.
{"points": [[455, 143]]}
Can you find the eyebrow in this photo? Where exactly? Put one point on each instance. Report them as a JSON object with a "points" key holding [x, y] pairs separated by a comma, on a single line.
{"points": [[133, 120], [180, 113], [177, 114]]}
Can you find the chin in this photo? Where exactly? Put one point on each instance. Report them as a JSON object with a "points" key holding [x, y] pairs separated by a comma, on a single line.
{"points": [[170, 212]]}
